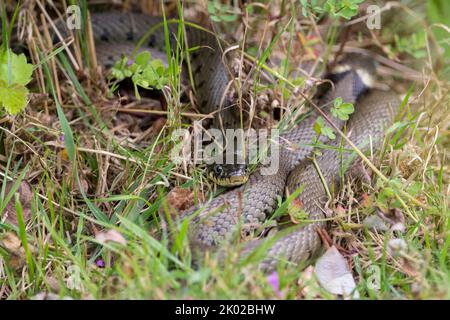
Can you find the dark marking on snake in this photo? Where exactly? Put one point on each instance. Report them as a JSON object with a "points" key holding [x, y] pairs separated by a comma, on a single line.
{"points": [[105, 36], [197, 69], [130, 35], [201, 84], [203, 104], [195, 54], [152, 41]]}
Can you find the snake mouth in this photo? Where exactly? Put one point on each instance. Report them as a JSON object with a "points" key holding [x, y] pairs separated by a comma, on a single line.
{"points": [[232, 181], [228, 175]]}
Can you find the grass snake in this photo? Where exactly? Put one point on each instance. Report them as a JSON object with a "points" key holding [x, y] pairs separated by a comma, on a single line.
{"points": [[244, 209]]}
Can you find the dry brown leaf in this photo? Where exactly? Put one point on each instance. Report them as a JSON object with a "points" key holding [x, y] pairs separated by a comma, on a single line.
{"points": [[397, 220], [374, 222], [53, 283], [394, 218], [158, 125], [111, 235], [25, 198], [295, 210], [12, 244], [410, 268], [366, 200], [359, 171], [334, 275], [397, 247], [179, 199], [340, 211], [305, 277]]}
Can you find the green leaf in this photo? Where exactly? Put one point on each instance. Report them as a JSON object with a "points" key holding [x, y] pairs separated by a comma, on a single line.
{"points": [[221, 12], [347, 108], [395, 127], [23, 234], [228, 18], [13, 98], [211, 7], [321, 128], [318, 125], [144, 72], [388, 192], [120, 70], [327, 131], [415, 188], [395, 183], [143, 58], [215, 18], [337, 102], [18, 68], [158, 66], [304, 7], [283, 207], [342, 110], [342, 8], [68, 134], [438, 12], [348, 13]]}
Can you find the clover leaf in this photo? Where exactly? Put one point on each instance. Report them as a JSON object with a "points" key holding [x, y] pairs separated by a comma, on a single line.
{"points": [[144, 71], [342, 110], [15, 74], [321, 128]]}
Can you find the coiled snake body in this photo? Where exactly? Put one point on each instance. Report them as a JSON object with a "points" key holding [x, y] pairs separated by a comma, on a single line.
{"points": [[251, 204]]}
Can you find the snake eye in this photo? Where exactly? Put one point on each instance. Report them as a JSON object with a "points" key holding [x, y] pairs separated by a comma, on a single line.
{"points": [[218, 169]]}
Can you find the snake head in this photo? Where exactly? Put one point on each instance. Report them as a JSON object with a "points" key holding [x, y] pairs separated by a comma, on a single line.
{"points": [[364, 66], [228, 175]]}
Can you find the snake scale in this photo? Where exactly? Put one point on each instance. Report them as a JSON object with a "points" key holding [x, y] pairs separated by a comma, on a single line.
{"points": [[245, 208]]}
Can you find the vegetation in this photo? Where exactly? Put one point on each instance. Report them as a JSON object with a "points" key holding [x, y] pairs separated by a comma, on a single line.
{"points": [[87, 181]]}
